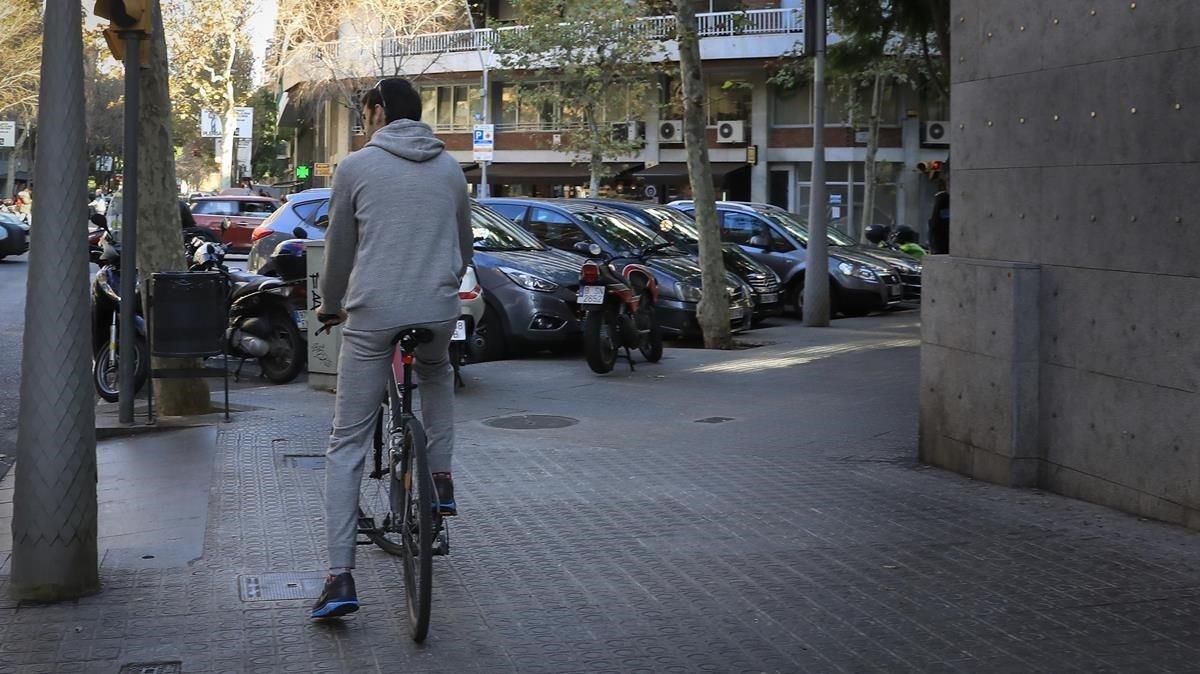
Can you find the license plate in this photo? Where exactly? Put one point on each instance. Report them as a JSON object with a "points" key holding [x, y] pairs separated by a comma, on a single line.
{"points": [[591, 295], [736, 313], [301, 318], [460, 332], [768, 298], [894, 291]]}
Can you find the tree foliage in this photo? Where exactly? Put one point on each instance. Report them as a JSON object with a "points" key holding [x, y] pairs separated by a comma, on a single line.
{"points": [[601, 58], [20, 58], [343, 44]]}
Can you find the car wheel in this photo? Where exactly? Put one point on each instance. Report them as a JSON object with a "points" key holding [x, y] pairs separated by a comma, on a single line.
{"points": [[795, 296], [491, 331]]}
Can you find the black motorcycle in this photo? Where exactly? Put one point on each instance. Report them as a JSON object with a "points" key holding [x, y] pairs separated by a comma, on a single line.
{"points": [[617, 299], [262, 322], [106, 310]]}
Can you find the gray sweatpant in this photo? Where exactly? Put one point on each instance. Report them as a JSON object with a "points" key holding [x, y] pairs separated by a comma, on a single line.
{"points": [[363, 368]]}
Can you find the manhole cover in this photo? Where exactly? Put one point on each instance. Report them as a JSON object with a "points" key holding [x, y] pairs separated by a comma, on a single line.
{"points": [[531, 422], [309, 461], [152, 668], [714, 420], [281, 586]]}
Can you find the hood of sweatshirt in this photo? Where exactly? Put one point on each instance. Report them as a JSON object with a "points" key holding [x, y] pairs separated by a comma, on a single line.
{"points": [[409, 140]]}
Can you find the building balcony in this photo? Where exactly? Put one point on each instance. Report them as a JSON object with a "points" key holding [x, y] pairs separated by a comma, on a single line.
{"points": [[755, 33]]}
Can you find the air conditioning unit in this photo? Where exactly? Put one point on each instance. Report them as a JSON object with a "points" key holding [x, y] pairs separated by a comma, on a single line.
{"points": [[731, 132], [628, 131], [670, 131], [937, 133]]}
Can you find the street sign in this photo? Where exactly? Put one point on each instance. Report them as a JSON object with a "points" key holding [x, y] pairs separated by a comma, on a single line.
{"points": [[303, 172], [322, 170], [8, 134], [244, 154], [210, 124], [104, 163], [484, 143]]}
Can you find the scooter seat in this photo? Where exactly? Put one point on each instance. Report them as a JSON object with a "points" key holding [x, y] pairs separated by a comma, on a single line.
{"points": [[245, 284]]}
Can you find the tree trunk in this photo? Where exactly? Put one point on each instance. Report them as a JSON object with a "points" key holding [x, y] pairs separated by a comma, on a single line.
{"points": [[817, 306], [713, 312], [869, 167], [228, 144], [597, 170], [14, 157], [159, 227]]}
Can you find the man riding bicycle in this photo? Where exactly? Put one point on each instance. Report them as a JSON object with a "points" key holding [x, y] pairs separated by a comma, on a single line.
{"points": [[398, 243]]}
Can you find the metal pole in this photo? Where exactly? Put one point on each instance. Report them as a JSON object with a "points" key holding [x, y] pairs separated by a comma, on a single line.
{"points": [[54, 496], [816, 278], [486, 101], [129, 213]]}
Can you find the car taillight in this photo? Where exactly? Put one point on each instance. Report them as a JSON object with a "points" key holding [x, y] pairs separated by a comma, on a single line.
{"points": [[590, 273], [261, 232], [472, 294]]}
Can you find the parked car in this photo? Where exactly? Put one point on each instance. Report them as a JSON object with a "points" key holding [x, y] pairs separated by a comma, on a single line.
{"points": [[563, 224], [858, 283], [308, 210], [909, 267], [14, 236], [233, 217], [529, 288], [680, 229]]}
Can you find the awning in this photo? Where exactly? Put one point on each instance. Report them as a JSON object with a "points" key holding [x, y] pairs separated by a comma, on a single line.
{"points": [[672, 173], [546, 173]]}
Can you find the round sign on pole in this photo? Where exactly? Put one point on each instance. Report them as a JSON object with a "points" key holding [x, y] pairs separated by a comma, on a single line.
{"points": [[651, 191]]}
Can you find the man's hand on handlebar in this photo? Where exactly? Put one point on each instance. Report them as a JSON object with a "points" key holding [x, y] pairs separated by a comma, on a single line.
{"points": [[328, 321]]}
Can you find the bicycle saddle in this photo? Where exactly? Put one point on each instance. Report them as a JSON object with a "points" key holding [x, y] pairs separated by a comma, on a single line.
{"points": [[413, 336]]}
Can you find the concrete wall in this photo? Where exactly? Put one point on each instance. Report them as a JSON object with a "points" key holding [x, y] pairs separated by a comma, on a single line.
{"points": [[1060, 340]]}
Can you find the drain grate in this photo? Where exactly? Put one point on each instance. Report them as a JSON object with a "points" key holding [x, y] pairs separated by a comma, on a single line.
{"points": [[530, 422], [171, 667], [714, 420], [281, 586], [308, 461]]}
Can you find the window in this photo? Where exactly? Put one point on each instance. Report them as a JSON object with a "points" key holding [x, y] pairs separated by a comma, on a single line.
{"points": [[305, 210], [451, 107], [555, 229], [255, 209], [322, 212], [518, 110], [729, 100], [845, 188], [739, 228], [514, 212], [215, 207], [791, 107]]}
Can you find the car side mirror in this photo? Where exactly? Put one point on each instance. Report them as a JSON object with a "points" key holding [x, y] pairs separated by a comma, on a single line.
{"points": [[760, 241], [299, 233]]}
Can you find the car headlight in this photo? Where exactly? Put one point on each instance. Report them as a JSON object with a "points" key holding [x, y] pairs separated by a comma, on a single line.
{"points": [[855, 271], [529, 281], [917, 269], [688, 292]]}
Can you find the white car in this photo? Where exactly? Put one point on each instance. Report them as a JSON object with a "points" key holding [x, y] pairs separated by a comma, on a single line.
{"points": [[464, 344]]}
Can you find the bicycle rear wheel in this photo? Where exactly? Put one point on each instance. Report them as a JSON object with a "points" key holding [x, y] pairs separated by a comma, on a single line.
{"points": [[376, 520], [415, 509]]}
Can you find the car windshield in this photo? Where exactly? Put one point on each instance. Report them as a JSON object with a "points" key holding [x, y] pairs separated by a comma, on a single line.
{"points": [[799, 228], [494, 232], [677, 225], [619, 232]]}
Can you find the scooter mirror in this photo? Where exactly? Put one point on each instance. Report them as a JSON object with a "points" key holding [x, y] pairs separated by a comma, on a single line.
{"points": [[299, 233]]}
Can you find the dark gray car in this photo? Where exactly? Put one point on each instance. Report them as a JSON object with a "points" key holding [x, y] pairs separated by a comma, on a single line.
{"points": [[529, 288], [858, 283]]}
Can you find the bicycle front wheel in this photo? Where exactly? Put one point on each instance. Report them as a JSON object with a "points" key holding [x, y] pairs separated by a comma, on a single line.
{"points": [[416, 527]]}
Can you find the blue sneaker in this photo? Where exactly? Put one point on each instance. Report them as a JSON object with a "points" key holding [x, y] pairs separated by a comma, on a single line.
{"points": [[443, 484], [338, 598]]}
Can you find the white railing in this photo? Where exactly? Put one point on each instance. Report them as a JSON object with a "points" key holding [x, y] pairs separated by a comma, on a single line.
{"points": [[713, 24]]}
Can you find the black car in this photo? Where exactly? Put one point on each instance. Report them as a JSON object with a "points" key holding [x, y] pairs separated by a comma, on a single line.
{"points": [[14, 235], [562, 224], [529, 289], [680, 229]]}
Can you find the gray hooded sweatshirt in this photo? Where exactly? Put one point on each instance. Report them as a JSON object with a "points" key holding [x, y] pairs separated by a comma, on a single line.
{"points": [[399, 237]]}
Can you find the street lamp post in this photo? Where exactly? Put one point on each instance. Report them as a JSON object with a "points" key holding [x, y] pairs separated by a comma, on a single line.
{"points": [[127, 354], [485, 104], [54, 499]]}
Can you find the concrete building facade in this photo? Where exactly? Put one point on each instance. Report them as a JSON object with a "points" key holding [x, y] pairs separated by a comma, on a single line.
{"points": [[1059, 337], [760, 137]]}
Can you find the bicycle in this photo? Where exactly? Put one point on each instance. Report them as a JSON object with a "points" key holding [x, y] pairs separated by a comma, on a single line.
{"points": [[398, 501]]}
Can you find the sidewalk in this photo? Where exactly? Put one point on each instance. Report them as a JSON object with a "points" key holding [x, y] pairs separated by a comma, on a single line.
{"points": [[755, 510]]}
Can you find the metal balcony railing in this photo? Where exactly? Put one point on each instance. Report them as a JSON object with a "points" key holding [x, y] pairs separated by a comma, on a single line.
{"points": [[713, 24]]}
